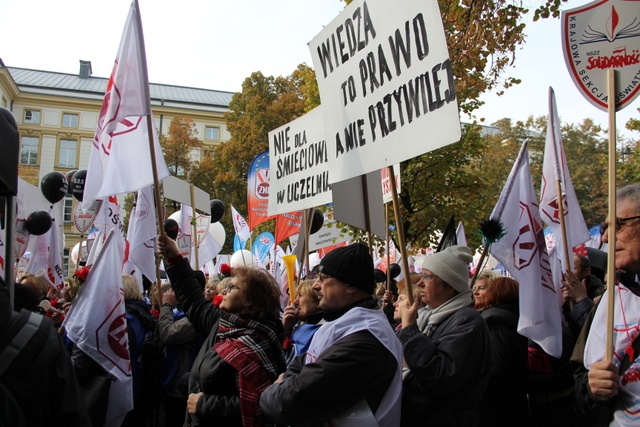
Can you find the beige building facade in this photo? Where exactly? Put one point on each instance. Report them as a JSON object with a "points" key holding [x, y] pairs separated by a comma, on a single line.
{"points": [[57, 115]]}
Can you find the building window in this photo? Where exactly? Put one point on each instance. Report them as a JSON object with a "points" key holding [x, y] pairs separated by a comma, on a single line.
{"points": [[211, 132], [65, 262], [29, 150], [69, 120], [32, 116], [67, 214], [67, 153]]}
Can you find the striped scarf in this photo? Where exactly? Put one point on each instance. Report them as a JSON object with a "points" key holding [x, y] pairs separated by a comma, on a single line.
{"points": [[253, 349]]}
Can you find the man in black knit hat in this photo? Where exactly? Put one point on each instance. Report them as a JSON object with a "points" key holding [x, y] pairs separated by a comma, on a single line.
{"points": [[354, 361]]}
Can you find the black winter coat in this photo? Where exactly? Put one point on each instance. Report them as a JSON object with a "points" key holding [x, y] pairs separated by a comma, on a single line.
{"points": [[449, 371]]}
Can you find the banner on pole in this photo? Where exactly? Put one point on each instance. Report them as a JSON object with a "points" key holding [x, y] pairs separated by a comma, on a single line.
{"points": [[384, 69], [298, 167]]}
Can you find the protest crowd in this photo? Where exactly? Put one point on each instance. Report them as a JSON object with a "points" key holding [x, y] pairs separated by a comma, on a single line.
{"points": [[232, 355], [551, 339]]}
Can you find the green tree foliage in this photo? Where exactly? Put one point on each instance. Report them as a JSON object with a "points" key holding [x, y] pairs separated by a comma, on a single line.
{"points": [[585, 150], [461, 179], [177, 146], [264, 104]]}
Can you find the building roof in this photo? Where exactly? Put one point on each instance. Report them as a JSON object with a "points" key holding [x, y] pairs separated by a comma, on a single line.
{"points": [[37, 81]]}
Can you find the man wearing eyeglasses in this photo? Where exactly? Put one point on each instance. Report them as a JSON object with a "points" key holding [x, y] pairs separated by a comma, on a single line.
{"points": [[354, 361], [446, 346], [609, 392]]}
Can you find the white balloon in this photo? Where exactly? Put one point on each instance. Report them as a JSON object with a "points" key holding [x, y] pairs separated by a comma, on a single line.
{"points": [[217, 232], [314, 259], [176, 216], [242, 258]]}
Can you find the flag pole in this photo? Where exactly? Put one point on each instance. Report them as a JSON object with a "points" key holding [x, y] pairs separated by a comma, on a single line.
{"points": [[386, 223], [400, 228], [563, 225], [611, 260], [194, 223], [156, 190], [308, 218], [558, 173]]}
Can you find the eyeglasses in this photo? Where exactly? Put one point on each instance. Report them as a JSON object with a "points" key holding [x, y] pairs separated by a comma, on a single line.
{"points": [[427, 277], [230, 288], [322, 277], [620, 223]]}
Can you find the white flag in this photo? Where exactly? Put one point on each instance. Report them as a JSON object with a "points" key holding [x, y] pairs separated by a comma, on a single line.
{"points": [[461, 237], [120, 159], [208, 247], [555, 169], [185, 240], [46, 258], [524, 254], [96, 323], [108, 218], [142, 234], [240, 225]]}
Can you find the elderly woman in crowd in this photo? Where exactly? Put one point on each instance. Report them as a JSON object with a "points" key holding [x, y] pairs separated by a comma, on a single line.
{"points": [[480, 288], [505, 401], [446, 346], [242, 353]]}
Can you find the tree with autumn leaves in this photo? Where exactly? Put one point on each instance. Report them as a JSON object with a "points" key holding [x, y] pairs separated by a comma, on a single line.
{"points": [[463, 179]]}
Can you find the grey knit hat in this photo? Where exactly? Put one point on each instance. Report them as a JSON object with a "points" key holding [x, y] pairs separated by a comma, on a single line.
{"points": [[452, 266], [351, 264]]}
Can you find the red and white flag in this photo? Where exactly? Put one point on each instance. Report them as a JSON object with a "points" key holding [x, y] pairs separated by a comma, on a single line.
{"points": [[240, 225], [120, 159], [46, 259], [96, 323], [142, 234], [555, 170], [107, 219], [523, 252], [208, 247], [185, 234]]}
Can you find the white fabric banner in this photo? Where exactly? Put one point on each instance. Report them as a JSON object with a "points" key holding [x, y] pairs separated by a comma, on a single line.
{"points": [[120, 159], [240, 225], [142, 234], [555, 169], [96, 323], [524, 254]]}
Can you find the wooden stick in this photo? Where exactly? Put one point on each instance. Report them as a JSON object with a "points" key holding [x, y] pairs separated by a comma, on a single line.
{"points": [[485, 250], [400, 228], [611, 260], [563, 226], [156, 188], [194, 223]]}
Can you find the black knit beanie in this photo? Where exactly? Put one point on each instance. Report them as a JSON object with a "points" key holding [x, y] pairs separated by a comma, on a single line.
{"points": [[351, 264]]}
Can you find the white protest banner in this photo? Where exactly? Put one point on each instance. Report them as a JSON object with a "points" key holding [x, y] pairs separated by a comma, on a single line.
{"points": [[386, 84], [298, 171], [330, 234]]}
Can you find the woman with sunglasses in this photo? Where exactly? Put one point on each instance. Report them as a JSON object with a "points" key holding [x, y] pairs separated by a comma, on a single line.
{"points": [[242, 353]]}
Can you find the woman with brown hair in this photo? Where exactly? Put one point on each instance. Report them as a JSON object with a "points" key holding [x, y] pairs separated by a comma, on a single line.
{"points": [[242, 353], [505, 400]]}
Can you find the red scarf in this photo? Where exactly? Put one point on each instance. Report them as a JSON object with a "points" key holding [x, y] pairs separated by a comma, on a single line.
{"points": [[253, 349]]}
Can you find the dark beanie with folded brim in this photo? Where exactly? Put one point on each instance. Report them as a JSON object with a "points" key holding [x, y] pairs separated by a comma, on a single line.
{"points": [[351, 264]]}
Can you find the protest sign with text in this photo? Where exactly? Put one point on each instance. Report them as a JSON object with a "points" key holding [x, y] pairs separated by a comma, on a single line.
{"points": [[386, 83], [299, 173]]}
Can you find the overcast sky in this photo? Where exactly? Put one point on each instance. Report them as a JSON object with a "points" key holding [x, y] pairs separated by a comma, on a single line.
{"points": [[216, 44]]}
